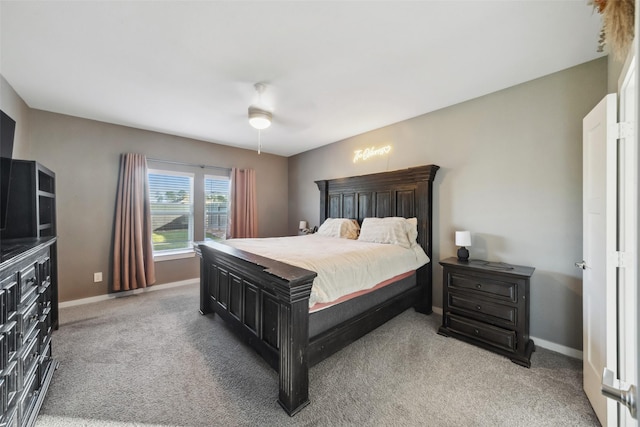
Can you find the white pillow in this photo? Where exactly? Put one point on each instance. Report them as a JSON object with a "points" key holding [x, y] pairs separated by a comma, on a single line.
{"points": [[393, 230], [339, 227], [412, 230]]}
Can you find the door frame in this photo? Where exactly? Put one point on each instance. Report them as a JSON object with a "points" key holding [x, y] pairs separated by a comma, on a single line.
{"points": [[628, 229]]}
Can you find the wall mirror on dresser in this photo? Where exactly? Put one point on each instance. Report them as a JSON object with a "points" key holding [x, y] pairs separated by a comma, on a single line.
{"points": [[28, 292]]}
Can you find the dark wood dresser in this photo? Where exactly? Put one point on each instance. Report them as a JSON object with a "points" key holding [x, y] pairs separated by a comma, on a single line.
{"points": [[28, 293], [487, 304], [26, 326]]}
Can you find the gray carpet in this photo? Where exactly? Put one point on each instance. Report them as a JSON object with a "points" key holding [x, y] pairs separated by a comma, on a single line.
{"points": [[152, 359]]}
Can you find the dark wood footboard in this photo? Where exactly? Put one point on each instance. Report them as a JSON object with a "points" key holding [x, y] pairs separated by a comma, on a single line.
{"points": [[267, 303]]}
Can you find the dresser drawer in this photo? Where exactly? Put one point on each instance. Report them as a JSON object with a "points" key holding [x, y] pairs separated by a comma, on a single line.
{"points": [[11, 296], [28, 280], [45, 327], [503, 290], [10, 339], [28, 397], [483, 310], [44, 270], [3, 395], [27, 359], [4, 352], [10, 418], [492, 335], [46, 362], [44, 297], [3, 306], [11, 383], [28, 318]]}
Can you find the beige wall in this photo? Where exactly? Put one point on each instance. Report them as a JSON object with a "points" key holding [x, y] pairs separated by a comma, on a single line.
{"points": [[85, 155], [511, 172], [15, 107]]}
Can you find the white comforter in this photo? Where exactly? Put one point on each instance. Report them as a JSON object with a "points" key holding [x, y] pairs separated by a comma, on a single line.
{"points": [[343, 266]]}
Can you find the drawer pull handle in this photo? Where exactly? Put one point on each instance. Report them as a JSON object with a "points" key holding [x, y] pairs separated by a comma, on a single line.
{"points": [[478, 285], [478, 308]]}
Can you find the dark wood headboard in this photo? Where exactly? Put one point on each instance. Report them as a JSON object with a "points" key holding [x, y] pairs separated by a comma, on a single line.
{"points": [[406, 193]]}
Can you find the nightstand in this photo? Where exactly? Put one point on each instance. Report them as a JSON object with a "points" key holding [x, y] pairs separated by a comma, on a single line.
{"points": [[487, 304]]}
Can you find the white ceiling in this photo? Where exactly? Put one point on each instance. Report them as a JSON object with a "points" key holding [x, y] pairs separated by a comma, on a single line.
{"points": [[333, 69]]}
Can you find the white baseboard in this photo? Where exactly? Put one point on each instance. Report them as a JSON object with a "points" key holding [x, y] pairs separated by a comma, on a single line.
{"points": [[127, 293], [539, 342], [558, 348]]}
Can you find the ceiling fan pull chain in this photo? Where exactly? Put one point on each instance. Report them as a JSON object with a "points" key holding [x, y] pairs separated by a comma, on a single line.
{"points": [[259, 141]]}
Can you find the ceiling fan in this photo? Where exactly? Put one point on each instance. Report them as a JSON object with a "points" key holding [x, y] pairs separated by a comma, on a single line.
{"points": [[259, 116], [261, 111]]}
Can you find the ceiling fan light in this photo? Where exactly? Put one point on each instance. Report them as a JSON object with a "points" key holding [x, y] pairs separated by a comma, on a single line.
{"points": [[259, 119]]}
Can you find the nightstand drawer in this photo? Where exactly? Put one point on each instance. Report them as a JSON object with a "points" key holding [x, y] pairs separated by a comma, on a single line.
{"points": [[484, 310], [492, 335], [507, 291]]}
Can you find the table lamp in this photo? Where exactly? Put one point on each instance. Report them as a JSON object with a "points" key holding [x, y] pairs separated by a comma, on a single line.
{"points": [[463, 238]]}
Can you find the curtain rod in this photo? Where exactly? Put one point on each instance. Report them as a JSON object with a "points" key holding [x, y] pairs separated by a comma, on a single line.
{"points": [[187, 164]]}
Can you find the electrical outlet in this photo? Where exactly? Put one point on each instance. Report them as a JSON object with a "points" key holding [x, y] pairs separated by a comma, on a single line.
{"points": [[97, 277]]}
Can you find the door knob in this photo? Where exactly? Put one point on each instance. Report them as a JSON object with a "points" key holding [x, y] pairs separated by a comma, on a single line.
{"points": [[626, 397], [581, 264]]}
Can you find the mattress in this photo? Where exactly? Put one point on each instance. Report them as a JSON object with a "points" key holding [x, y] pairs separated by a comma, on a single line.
{"points": [[343, 266]]}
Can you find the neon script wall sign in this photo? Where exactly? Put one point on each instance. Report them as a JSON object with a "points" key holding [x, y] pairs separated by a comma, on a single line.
{"points": [[370, 152]]}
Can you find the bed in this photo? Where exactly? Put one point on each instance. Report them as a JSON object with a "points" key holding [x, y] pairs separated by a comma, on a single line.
{"points": [[266, 302]]}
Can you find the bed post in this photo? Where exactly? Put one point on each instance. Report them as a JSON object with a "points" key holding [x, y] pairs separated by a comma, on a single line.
{"points": [[294, 360], [324, 192], [293, 340], [425, 237]]}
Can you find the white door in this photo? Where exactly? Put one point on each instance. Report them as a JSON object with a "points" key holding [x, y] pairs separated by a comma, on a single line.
{"points": [[599, 245], [627, 239]]}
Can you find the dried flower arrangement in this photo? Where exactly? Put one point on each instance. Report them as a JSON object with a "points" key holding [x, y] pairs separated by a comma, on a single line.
{"points": [[618, 22]]}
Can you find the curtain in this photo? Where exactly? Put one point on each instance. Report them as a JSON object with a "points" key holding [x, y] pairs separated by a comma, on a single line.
{"points": [[133, 265], [244, 215]]}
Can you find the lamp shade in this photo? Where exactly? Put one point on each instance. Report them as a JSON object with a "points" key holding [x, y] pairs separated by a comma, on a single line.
{"points": [[259, 119], [302, 225], [463, 238]]}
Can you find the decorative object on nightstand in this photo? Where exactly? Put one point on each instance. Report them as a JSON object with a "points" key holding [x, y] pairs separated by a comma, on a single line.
{"points": [[487, 304], [463, 238], [303, 226]]}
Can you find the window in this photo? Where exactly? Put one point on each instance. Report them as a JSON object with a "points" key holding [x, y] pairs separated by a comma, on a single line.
{"points": [[171, 198], [216, 207]]}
